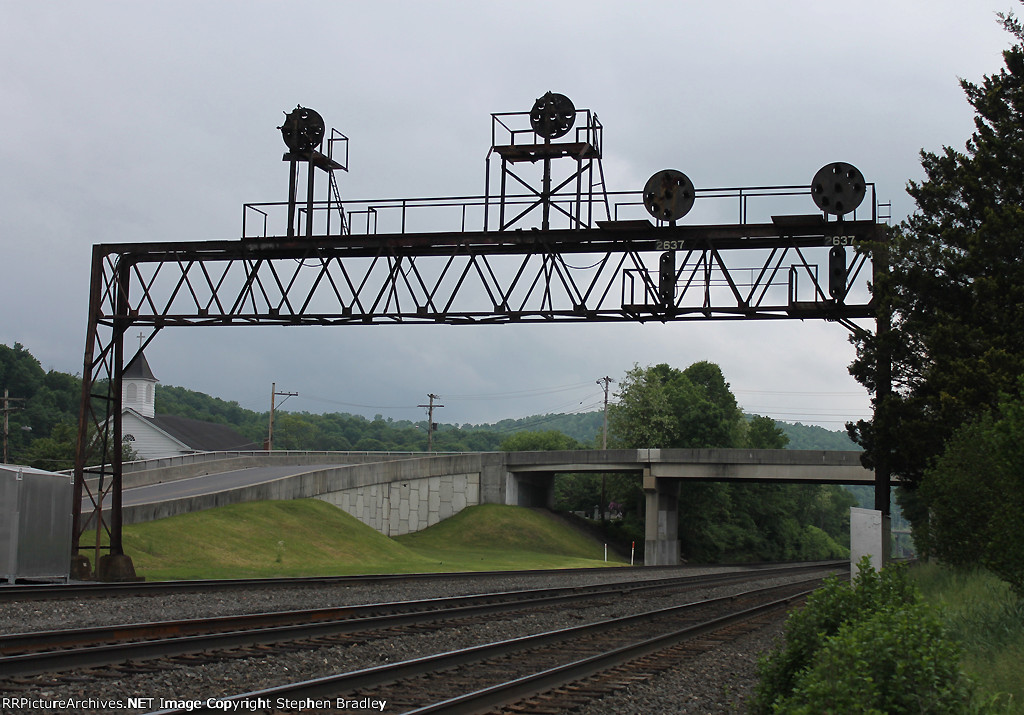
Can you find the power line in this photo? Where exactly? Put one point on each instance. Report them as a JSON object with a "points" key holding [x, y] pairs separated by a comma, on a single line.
{"points": [[533, 392], [356, 404], [798, 392]]}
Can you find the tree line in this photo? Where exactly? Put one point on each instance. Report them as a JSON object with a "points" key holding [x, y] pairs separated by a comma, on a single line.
{"points": [[656, 407], [951, 427], [662, 406]]}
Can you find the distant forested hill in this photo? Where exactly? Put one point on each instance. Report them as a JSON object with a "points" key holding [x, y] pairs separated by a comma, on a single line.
{"points": [[813, 437], [583, 427], [42, 429]]}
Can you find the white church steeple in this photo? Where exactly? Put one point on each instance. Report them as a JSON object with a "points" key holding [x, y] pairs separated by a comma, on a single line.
{"points": [[138, 387]]}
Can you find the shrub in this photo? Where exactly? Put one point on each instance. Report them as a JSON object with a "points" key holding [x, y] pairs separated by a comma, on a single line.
{"points": [[877, 624], [895, 661], [817, 545]]}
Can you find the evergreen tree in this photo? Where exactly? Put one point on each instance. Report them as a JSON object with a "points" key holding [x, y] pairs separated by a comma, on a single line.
{"points": [[975, 492], [956, 286]]}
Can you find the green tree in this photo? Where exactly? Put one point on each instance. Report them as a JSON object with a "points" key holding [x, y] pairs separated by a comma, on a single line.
{"points": [[975, 492], [20, 373], [577, 492], [765, 433], [294, 431], [956, 286], [662, 407], [55, 452]]}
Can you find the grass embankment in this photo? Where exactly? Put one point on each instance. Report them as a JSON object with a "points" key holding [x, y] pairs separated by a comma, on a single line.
{"points": [[984, 615], [309, 537]]}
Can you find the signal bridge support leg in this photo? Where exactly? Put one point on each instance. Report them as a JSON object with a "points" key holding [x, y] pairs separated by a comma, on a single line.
{"points": [[661, 547]]}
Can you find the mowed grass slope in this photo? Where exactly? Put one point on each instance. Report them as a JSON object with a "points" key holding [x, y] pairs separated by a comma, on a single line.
{"points": [[493, 536], [309, 537]]}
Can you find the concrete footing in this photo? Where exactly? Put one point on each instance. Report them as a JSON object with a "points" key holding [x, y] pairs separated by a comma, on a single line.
{"points": [[81, 569], [117, 567]]}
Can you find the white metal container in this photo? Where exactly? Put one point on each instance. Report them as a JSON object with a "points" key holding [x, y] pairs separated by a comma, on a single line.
{"points": [[35, 524]]}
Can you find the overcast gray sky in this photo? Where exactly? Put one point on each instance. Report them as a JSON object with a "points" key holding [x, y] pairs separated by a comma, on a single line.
{"points": [[131, 121]]}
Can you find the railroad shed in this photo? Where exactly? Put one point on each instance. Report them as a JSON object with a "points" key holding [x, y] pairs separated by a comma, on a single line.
{"points": [[35, 524]]}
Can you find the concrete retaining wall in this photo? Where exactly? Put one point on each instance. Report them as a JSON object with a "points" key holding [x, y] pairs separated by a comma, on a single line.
{"points": [[399, 493], [394, 497], [406, 506]]}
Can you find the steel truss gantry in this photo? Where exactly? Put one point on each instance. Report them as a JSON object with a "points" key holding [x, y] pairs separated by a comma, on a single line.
{"points": [[589, 260], [628, 271]]}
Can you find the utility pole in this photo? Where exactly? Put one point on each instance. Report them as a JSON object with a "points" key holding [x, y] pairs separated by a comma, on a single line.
{"points": [[605, 381], [7, 410], [431, 426], [274, 394]]}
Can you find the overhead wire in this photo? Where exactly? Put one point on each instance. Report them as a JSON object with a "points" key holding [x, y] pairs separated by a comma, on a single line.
{"points": [[516, 394], [591, 403]]}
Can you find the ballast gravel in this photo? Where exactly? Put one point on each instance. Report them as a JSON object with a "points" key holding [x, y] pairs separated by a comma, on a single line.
{"points": [[719, 681]]}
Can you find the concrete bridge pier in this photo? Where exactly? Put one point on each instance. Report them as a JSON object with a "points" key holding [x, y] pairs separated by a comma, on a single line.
{"points": [[661, 546]]}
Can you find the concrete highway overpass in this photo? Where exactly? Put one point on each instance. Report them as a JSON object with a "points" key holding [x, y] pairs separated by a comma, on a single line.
{"points": [[398, 493]]}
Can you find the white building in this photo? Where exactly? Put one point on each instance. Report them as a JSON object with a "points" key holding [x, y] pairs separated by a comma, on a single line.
{"points": [[154, 436]]}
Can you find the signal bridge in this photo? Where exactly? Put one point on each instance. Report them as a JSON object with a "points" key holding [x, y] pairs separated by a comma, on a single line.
{"points": [[546, 242]]}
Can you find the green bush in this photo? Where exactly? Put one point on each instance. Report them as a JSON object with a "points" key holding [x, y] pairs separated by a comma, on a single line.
{"points": [[896, 661], [876, 632], [817, 545]]}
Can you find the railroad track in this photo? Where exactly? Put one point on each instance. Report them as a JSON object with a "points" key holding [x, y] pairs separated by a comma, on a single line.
{"points": [[92, 589], [531, 674], [83, 590], [70, 650]]}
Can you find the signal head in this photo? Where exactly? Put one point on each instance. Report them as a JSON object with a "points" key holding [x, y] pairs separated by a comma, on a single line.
{"points": [[552, 115], [669, 195], [303, 129], [838, 188]]}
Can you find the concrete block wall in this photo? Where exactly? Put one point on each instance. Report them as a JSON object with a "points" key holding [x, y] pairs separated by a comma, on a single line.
{"points": [[409, 505]]}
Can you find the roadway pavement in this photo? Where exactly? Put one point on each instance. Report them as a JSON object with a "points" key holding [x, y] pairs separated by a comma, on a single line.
{"points": [[208, 484]]}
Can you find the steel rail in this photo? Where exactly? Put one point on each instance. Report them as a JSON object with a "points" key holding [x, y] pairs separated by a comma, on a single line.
{"points": [[100, 646], [531, 685], [94, 589], [355, 681]]}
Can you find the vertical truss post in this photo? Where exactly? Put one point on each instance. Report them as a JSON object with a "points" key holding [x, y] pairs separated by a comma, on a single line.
{"points": [[99, 426], [86, 415], [293, 179], [309, 199], [122, 322], [545, 191]]}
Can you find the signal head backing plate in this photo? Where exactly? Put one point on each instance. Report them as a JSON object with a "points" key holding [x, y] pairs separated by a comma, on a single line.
{"points": [[552, 115], [838, 188], [303, 129], [669, 195]]}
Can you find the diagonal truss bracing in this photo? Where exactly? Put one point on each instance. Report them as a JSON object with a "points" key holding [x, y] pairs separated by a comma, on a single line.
{"points": [[620, 272], [747, 271]]}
